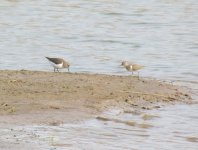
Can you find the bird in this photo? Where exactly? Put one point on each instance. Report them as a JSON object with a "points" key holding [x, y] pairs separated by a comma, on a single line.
{"points": [[131, 67], [58, 63]]}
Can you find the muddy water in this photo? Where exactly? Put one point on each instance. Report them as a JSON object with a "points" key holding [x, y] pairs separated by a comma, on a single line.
{"points": [[95, 36]]}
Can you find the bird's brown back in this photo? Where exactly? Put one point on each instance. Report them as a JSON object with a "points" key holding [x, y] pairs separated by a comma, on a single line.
{"points": [[137, 67], [55, 60]]}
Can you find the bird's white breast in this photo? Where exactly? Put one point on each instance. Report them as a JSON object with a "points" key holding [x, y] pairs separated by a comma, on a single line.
{"points": [[58, 66], [131, 67]]}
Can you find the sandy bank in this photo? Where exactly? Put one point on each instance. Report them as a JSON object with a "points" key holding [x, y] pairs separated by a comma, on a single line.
{"points": [[47, 97]]}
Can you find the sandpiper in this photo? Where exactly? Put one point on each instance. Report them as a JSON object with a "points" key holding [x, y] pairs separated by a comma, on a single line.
{"points": [[58, 63], [132, 67]]}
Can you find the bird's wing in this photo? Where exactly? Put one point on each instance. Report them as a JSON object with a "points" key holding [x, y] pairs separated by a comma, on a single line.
{"points": [[137, 67], [55, 60]]}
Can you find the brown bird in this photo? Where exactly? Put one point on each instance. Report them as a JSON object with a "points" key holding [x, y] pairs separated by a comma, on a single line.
{"points": [[132, 67], [58, 63]]}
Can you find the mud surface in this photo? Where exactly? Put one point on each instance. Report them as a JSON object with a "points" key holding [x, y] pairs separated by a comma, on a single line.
{"points": [[54, 98]]}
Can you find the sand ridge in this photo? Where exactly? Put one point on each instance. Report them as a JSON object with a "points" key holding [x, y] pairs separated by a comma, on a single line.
{"points": [[48, 97]]}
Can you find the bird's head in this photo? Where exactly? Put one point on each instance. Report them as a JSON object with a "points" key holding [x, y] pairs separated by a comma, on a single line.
{"points": [[124, 63], [66, 65]]}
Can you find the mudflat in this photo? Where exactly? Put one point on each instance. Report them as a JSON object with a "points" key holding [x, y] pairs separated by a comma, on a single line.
{"points": [[28, 97]]}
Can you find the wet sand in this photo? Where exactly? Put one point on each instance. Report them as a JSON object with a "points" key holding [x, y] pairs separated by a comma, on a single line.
{"points": [[35, 97]]}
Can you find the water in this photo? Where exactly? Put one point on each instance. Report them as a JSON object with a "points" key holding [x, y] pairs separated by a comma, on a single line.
{"points": [[95, 36], [168, 130]]}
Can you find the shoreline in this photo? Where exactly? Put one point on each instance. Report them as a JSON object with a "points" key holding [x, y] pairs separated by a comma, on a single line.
{"points": [[39, 97]]}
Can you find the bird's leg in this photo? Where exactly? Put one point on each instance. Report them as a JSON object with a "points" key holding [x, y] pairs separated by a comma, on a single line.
{"points": [[57, 70], [54, 70], [138, 75], [132, 72]]}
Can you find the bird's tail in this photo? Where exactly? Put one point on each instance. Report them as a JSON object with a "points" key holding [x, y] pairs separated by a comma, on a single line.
{"points": [[47, 58]]}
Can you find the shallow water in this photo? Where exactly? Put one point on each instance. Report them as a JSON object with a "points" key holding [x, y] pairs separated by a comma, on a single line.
{"points": [[95, 36], [163, 129]]}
